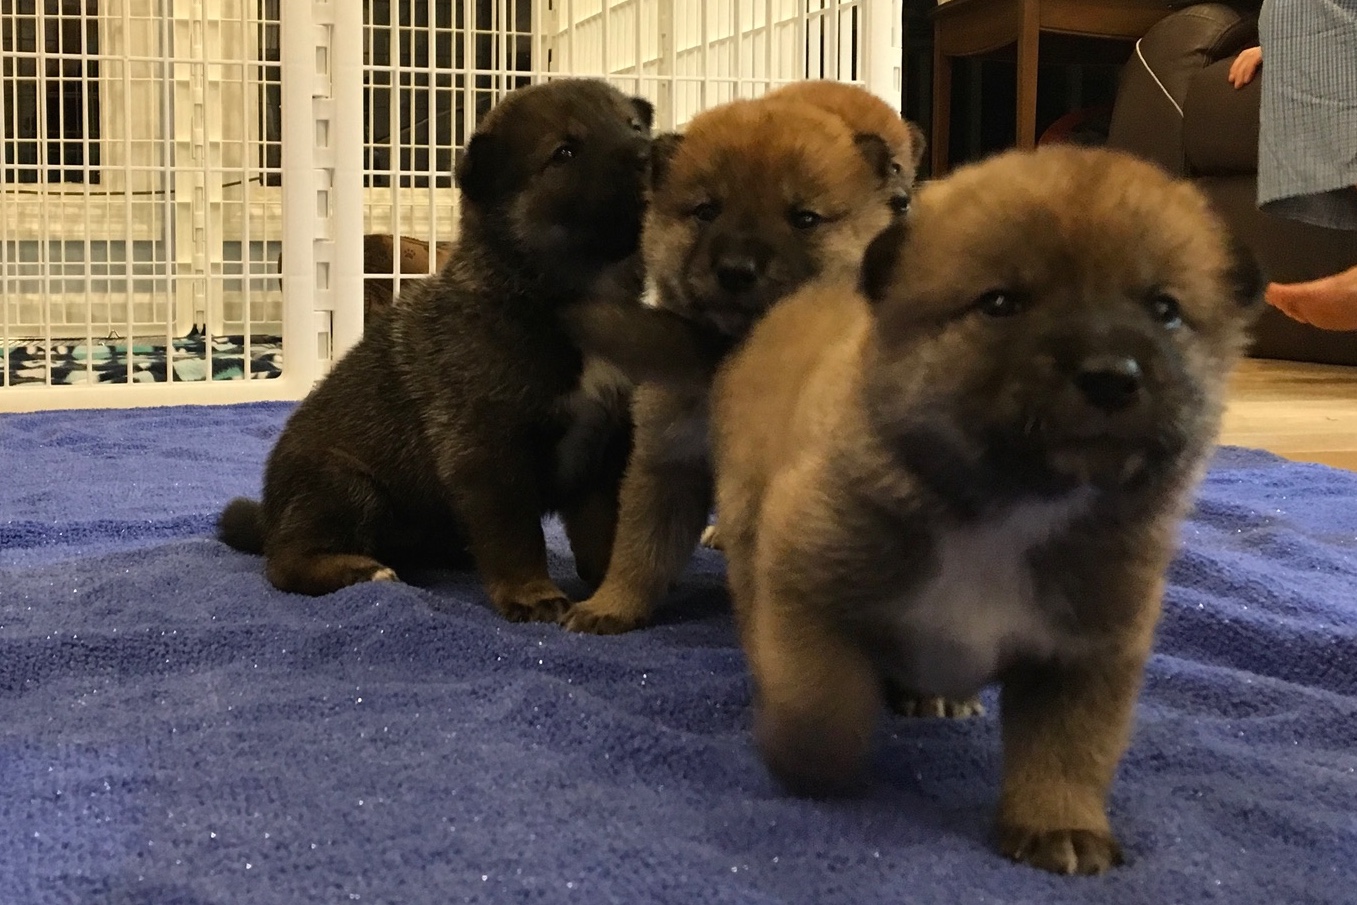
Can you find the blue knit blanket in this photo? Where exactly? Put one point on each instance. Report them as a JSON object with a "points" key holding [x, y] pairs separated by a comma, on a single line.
{"points": [[173, 730]]}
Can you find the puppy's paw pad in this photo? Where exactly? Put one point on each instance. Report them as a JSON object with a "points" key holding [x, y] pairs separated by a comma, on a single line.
{"points": [[546, 610], [711, 537], [922, 706], [1061, 851], [383, 574], [591, 622]]}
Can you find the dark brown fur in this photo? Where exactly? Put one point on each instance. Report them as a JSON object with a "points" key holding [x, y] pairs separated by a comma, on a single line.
{"points": [[975, 472], [467, 413], [755, 199]]}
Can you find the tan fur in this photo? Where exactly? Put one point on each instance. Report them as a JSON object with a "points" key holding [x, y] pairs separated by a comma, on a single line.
{"points": [[862, 111], [761, 160], [843, 536]]}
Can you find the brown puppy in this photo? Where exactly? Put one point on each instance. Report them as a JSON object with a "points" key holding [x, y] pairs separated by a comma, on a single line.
{"points": [[754, 199], [864, 112], [468, 412], [975, 472]]}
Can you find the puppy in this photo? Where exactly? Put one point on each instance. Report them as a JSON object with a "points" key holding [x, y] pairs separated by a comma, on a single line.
{"points": [[754, 199], [467, 412], [975, 470], [864, 112]]}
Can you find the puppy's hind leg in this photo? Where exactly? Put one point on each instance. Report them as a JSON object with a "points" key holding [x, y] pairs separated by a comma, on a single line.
{"points": [[590, 526], [313, 573], [590, 516], [324, 539]]}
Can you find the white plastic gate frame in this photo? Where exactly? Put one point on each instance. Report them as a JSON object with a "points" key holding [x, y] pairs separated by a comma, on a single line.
{"points": [[184, 227]]}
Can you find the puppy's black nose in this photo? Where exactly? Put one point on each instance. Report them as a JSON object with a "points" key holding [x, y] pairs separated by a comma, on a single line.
{"points": [[737, 273], [1110, 382]]}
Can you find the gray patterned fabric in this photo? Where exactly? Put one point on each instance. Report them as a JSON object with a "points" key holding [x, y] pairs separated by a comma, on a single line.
{"points": [[62, 362], [1307, 160]]}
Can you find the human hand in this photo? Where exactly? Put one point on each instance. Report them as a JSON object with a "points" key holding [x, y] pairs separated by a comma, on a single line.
{"points": [[1245, 66]]}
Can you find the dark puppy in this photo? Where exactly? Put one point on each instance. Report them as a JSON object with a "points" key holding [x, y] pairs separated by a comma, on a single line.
{"points": [[976, 473], [468, 412]]}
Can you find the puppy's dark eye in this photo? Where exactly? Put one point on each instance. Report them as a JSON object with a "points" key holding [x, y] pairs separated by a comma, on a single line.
{"points": [[806, 219], [707, 211], [563, 154], [637, 126], [1000, 303], [896, 169], [1166, 310]]}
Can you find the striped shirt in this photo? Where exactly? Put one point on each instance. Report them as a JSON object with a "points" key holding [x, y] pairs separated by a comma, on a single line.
{"points": [[1307, 154]]}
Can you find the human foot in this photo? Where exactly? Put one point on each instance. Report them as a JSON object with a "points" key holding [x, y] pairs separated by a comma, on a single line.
{"points": [[1329, 303]]}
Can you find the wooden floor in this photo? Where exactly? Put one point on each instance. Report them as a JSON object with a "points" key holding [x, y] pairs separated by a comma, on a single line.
{"points": [[1301, 411]]}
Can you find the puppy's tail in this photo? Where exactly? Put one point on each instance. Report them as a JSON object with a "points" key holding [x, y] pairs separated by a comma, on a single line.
{"points": [[241, 525]]}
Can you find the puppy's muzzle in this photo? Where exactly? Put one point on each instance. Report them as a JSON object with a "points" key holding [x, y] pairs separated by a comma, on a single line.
{"points": [[1110, 382], [739, 263], [737, 273]]}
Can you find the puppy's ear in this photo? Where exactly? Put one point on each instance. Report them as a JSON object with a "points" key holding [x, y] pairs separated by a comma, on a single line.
{"points": [[482, 173], [662, 151], [1245, 276], [918, 143], [645, 111], [877, 153], [880, 260]]}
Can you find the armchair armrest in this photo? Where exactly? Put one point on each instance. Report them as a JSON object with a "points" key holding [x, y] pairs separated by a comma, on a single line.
{"points": [[1147, 118]]}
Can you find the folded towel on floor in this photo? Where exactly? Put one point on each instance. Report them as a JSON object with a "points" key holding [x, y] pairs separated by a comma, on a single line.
{"points": [[176, 731]]}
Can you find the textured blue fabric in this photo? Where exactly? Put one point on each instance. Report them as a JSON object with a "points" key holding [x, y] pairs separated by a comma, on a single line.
{"points": [[173, 730]]}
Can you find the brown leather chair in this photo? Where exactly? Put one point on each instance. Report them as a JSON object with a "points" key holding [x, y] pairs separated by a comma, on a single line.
{"points": [[1175, 106]]}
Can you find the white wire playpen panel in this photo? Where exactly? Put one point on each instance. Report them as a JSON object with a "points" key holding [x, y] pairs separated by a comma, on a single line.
{"points": [[187, 185]]}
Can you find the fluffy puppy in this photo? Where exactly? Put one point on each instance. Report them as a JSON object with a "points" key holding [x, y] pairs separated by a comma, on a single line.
{"points": [[468, 412], [975, 472], [864, 112], [754, 199]]}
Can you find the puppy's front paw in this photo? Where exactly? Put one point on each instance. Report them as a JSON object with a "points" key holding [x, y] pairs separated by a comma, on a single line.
{"points": [[711, 537], [1061, 851], [599, 616], [537, 602], [810, 757]]}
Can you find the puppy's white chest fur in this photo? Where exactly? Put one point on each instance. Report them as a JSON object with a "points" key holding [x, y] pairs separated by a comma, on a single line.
{"points": [[979, 609], [589, 411]]}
